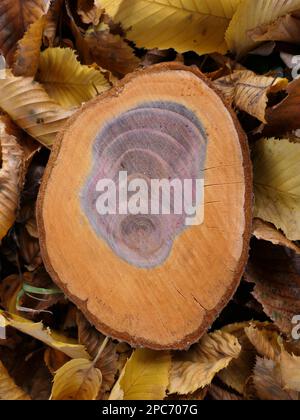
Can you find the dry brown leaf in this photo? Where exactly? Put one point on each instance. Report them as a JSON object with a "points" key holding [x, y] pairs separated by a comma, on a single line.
{"points": [[8, 389], [275, 272], [268, 382], [15, 18], [109, 51], [90, 11], [284, 117], [196, 368], [267, 232], [249, 91], [30, 107], [11, 175], [52, 21], [285, 29], [28, 53]]}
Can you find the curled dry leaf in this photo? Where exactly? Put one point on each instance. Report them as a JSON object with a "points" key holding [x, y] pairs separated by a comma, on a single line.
{"points": [[52, 19], [160, 24], [38, 331], [109, 51], [77, 380], [67, 81], [284, 117], [265, 341], [251, 14], [8, 389], [28, 51], [285, 29], [144, 377], [249, 92], [267, 232], [220, 394], [275, 272], [16, 17], [277, 184], [11, 175], [90, 11], [29, 106], [196, 368]]}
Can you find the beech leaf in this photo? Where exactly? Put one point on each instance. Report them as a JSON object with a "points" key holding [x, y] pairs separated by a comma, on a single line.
{"points": [[196, 368], [77, 380], [144, 377], [67, 81], [277, 184], [30, 107], [162, 23]]}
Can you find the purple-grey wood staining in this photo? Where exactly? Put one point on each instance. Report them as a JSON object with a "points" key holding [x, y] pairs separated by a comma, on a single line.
{"points": [[157, 140]]}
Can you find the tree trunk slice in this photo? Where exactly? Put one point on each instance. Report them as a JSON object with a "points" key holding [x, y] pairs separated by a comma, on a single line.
{"points": [[149, 280]]}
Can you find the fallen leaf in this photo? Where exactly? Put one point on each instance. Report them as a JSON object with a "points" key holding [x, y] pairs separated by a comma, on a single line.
{"points": [[11, 175], [265, 341], [28, 52], [267, 232], [251, 14], [268, 382], [8, 389], [284, 117], [55, 359], [109, 51], [77, 380], [285, 29], [196, 368], [277, 184], [16, 17], [220, 394], [160, 23], [52, 19], [275, 272], [249, 92], [144, 377], [30, 107], [53, 339], [67, 81]]}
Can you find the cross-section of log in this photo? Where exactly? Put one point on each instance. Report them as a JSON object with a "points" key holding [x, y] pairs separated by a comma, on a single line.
{"points": [[145, 209]]}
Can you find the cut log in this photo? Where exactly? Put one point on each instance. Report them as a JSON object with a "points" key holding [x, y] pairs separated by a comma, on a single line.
{"points": [[151, 279]]}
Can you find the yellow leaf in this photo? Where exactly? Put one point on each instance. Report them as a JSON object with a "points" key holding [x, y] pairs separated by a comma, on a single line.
{"points": [[249, 91], [265, 341], [249, 15], [11, 176], [144, 377], [290, 371], [67, 81], [8, 389], [183, 25], [29, 106], [28, 52], [53, 339], [277, 184], [196, 368], [77, 380]]}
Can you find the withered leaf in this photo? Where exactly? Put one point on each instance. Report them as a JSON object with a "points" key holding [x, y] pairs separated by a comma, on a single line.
{"points": [[15, 18], [275, 272], [8, 389]]}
